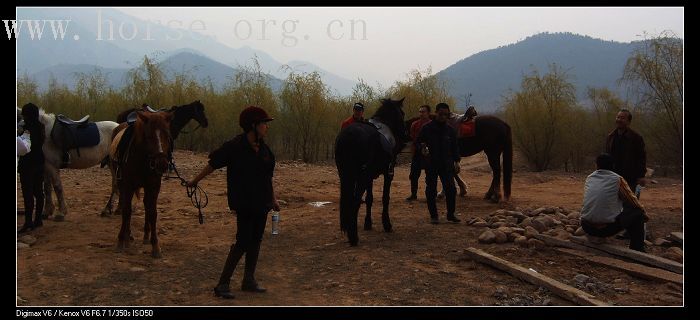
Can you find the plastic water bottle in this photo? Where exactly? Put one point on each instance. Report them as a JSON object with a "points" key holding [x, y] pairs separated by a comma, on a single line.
{"points": [[275, 222]]}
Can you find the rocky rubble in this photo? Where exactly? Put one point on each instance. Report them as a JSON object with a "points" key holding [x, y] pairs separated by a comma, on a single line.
{"points": [[521, 226]]}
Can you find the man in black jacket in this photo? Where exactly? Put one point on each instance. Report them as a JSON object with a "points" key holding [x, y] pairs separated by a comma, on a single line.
{"points": [[438, 144], [249, 166], [31, 169]]}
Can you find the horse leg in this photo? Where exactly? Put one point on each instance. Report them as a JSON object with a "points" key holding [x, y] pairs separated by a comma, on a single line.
{"points": [[150, 200], [494, 193], [462, 185], [348, 210], [125, 230], [48, 195], [369, 199], [55, 178], [115, 191], [388, 177]]}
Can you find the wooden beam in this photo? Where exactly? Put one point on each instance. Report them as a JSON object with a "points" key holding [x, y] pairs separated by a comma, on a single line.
{"points": [[637, 270], [564, 243], [565, 291], [677, 236], [643, 257]]}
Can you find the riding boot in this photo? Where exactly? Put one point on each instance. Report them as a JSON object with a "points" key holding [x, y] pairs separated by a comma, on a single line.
{"points": [[234, 255], [251, 261]]}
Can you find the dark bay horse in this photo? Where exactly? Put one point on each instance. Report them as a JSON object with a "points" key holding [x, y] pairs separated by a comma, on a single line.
{"points": [[183, 115], [494, 137], [142, 166], [363, 151]]}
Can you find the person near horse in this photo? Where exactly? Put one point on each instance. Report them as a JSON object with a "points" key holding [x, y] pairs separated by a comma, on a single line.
{"points": [[31, 169], [628, 151], [438, 144], [609, 205], [249, 166], [358, 111], [416, 160]]}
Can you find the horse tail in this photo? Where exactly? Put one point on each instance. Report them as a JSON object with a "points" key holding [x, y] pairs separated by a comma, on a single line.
{"points": [[508, 162], [347, 188]]}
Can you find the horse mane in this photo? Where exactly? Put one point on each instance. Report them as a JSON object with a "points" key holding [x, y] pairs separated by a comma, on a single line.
{"points": [[384, 111]]}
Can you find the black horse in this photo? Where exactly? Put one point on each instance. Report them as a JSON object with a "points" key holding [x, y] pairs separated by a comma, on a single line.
{"points": [[494, 137], [181, 116], [363, 151]]}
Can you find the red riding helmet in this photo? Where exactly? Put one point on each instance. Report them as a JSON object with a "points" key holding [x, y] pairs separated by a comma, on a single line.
{"points": [[252, 115]]}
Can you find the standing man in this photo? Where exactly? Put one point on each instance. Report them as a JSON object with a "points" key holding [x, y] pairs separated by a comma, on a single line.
{"points": [[249, 166], [358, 111], [31, 169], [626, 146], [438, 144], [627, 149], [417, 160]]}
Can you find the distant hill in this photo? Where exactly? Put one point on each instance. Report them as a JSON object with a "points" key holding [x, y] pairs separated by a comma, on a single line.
{"points": [[489, 74], [187, 61], [118, 52]]}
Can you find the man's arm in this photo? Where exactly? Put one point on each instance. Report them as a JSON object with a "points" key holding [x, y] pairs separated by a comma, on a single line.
{"points": [[642, 156], [627, 196]]}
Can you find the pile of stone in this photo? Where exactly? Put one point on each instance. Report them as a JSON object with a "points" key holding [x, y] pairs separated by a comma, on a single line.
{"points": [[521, 226]]}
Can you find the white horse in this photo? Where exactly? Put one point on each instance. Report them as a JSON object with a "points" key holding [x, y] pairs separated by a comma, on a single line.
{"points": [[89, 156]]}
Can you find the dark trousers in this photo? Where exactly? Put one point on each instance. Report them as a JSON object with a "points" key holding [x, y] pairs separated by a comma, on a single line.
{"points": [[416, 168], [630, 219], [251, 226], [448, 185], [32, 181]]}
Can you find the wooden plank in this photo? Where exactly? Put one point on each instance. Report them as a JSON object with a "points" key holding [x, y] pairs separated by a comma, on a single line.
{"points": [[564, 243], [560, 289], [643, 257], [677, 236], [637, 270]]}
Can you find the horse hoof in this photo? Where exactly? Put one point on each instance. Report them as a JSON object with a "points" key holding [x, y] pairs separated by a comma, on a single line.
{"points": [[368, 227], [388, 229], [156, 255], [146, 241], [59, 218]]}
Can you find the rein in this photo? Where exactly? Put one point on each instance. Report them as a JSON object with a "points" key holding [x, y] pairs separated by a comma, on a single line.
{"points": [[196, 194], [193, 130]]}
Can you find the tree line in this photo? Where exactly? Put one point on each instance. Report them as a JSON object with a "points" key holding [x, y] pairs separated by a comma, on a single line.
{"points": [[551, 129]]}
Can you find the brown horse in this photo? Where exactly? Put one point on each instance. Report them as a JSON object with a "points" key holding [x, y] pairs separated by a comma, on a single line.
{"points": [[141, 165], [494, 137]]}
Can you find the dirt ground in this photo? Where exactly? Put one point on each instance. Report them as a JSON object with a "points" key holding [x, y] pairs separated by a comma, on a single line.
{"points": [[310, 262]]}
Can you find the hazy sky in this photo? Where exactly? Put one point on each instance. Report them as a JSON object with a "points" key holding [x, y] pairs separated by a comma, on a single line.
{"points": [[397, 40]]}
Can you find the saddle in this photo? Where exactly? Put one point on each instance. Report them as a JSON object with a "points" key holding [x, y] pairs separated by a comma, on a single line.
{"points": [[71, 134], [131, 118], [467, 129]]}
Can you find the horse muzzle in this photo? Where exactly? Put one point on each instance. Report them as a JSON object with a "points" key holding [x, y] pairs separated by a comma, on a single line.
{"points": [[158, 163]]}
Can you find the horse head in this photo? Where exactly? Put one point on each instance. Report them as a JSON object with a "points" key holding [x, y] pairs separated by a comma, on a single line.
{"points": [[199, 116], [391, 114], [153, 131]]}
